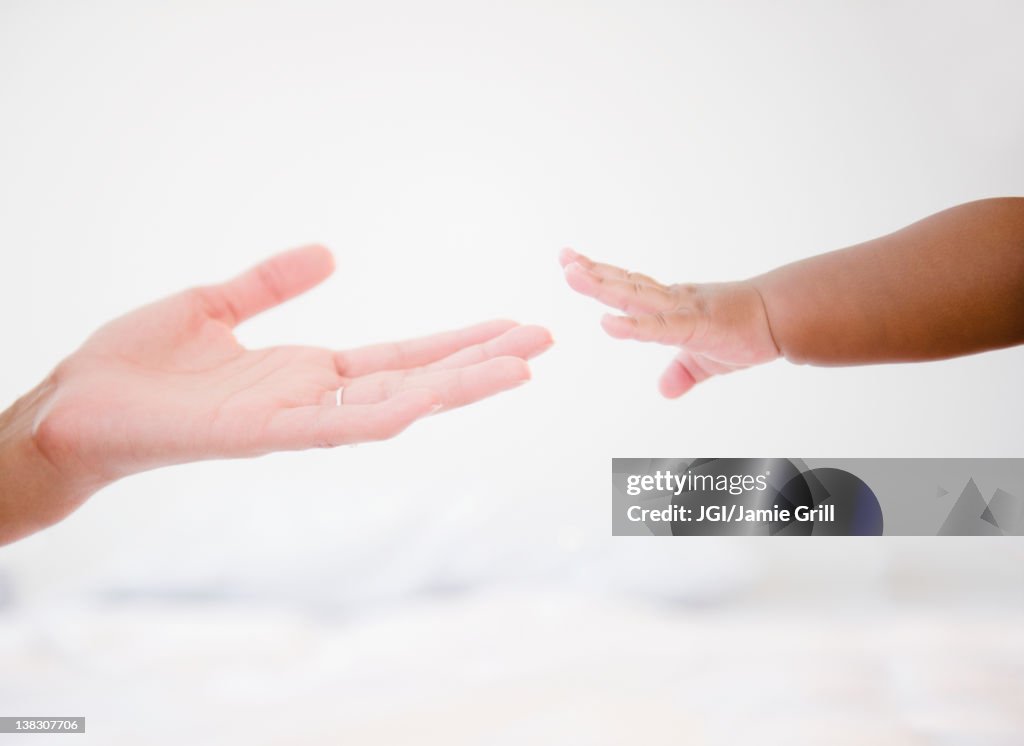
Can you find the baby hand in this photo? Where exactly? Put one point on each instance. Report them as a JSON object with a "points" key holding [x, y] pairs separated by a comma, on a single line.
{"points": [[718, 327]]}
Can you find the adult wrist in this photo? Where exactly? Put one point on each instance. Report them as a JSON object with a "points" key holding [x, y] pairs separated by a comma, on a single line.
{"points": [[38, 486]]}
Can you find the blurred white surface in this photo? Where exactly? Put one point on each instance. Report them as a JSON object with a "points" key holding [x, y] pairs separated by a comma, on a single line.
{"points": [[524, 667]]}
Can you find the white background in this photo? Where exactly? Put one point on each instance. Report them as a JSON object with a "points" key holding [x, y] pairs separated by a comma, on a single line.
{"points": [[445, 152]]}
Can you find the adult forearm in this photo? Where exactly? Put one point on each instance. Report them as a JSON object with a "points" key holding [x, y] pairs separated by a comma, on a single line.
{"points": [[951, 284], [35, 492]]}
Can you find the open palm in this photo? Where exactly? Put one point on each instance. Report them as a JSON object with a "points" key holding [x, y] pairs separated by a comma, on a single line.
{"points": [[718, 327], [169, 383]]}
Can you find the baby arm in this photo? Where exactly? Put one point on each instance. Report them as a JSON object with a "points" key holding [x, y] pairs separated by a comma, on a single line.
{"points": [[948, 285], [951, 284]]}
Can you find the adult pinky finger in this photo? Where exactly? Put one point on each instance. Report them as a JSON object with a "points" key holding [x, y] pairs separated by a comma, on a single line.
{"points": [[327, 426], [675, 328]]}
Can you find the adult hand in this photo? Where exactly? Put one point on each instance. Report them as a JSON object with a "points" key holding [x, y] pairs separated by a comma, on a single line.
{"points": [[717, 327], [170, 383]]}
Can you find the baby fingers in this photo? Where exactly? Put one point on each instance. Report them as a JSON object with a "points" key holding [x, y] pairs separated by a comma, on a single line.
{"points": [[674, 328], [633, 296], [568, 256]]}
